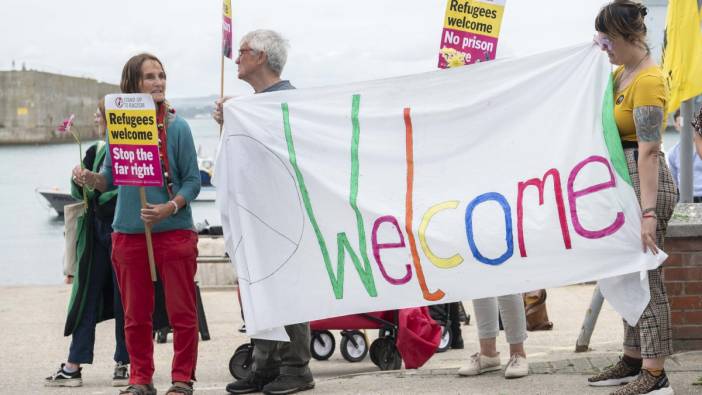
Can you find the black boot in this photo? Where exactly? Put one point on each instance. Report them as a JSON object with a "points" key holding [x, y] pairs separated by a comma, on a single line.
{"points": [[455, 326], [253, 383]]}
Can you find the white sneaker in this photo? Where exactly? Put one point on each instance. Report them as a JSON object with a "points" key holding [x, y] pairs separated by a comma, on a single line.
{"points": [[516, 367], [63, 378], [120, 377], [479, 363]]}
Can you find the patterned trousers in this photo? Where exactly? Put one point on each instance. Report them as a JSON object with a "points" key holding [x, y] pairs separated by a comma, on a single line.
{"points": [[653, 334]]}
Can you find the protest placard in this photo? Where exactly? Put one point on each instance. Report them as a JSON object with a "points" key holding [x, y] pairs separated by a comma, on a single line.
{"points": [[471, 30], [133, 136], [227, 29]]}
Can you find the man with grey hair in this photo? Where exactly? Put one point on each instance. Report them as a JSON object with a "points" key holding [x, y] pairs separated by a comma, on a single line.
{"points": [[278, 367]]}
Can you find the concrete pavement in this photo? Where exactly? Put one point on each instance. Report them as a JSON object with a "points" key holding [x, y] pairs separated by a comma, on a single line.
{"points": [[33, 318]]}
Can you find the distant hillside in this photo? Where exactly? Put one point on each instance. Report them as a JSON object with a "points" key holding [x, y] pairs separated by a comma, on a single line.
{"points": [[191, 107]]}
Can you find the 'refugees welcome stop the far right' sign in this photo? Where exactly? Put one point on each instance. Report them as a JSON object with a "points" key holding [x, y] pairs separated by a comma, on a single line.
{"points": [[133, 136]]}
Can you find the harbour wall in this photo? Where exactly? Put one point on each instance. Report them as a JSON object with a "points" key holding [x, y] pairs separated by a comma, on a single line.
{"points": [[33, 104]]}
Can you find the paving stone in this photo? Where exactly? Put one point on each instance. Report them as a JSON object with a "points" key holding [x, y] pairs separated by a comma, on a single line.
{"points": [[601, 363], [583, 365], [540, 368], [563, 366]]}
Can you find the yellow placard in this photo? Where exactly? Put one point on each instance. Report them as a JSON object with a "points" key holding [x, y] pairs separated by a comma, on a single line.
{"points": [[227, 8], [22, 111], [474, 17], [132, 127]]}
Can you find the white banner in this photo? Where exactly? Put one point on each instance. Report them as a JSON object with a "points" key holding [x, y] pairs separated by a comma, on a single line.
{"points": [[458, 184]]}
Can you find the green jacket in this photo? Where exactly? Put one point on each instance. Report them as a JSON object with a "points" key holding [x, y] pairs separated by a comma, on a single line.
{"points": [[100, 207]]}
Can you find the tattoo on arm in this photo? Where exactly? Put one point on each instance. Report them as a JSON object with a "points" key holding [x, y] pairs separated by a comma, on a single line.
{"points": [[648, 121]]}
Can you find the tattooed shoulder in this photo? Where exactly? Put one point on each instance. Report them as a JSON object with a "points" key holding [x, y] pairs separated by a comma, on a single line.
{"points": [[648, 121]]}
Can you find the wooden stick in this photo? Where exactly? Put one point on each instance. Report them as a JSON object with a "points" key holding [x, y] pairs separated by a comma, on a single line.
{"points": [[221, 92], [147, 233]]}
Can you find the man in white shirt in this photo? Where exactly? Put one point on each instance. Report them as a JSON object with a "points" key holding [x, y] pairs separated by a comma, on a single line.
{"points": [[278, 367]]}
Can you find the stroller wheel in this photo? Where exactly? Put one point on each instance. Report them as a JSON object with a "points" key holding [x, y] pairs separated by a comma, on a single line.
{"points": [[354, 346], [240, 362], [384, 354], [245, 346], [445, 342], [322, 345], [373, 352]]}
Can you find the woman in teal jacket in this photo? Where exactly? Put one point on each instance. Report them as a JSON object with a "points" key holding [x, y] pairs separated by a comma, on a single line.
{"points": [[173, 238]]}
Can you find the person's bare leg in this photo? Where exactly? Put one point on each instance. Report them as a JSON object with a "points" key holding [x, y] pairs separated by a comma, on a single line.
{"points": [[653, 363], [488, 347], [517, 349]]}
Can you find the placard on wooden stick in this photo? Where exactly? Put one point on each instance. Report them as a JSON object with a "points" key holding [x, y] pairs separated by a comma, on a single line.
{"points": [[133, 137]]}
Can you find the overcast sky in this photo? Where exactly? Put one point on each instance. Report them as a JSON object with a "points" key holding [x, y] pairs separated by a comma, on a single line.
{"points": [[332, 41]]}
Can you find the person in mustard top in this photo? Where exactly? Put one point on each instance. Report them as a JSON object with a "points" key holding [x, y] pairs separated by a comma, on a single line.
{"points": [[640, 96]]}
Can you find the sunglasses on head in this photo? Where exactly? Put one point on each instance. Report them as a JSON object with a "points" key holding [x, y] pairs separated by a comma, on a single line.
{"points": [[602, 41]]}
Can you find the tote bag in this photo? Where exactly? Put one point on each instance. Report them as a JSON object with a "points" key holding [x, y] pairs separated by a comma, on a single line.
{"points": [[72, 213]]}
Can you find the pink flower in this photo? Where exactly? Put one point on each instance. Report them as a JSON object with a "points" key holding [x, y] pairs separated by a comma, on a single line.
{"points": [[65, 126]]}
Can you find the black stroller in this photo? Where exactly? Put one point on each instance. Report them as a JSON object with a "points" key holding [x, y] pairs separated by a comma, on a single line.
{"points": [[450, 316]]}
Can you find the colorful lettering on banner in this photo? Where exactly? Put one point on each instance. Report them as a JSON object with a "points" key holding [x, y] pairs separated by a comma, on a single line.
{"points": [[471, 30], [446, 263], [364, 271], [342, 241], [133, 138]]}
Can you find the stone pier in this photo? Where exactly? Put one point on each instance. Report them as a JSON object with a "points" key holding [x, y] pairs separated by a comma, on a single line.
{"points": [[33, 103]]}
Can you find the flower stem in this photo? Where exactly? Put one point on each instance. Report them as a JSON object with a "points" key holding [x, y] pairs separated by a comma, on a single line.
{"points": [[80, 160]]}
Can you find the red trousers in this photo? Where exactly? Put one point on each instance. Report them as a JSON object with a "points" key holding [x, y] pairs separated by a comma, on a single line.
{"points": [[175, 253]]}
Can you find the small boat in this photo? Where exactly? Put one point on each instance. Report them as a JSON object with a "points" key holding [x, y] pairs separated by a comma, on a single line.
{"points": [[56, 198], [207, 194], [206, 166]]}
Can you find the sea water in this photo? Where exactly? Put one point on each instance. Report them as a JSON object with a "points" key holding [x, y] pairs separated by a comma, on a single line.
{"points": [[31, 233]]}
